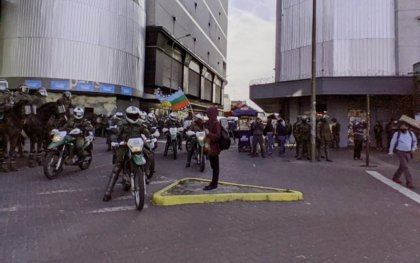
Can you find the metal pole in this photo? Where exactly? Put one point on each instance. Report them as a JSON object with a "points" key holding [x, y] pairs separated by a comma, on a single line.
{"points": [[313, 83], [368, 129]]}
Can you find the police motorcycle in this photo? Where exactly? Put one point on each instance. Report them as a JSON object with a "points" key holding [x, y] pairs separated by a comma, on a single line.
{"points": [[195, 144], [172, 139], [133, 167], [61, 152]]}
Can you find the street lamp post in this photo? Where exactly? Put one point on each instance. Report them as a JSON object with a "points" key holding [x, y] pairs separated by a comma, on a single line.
{"points": [[172, 58]]}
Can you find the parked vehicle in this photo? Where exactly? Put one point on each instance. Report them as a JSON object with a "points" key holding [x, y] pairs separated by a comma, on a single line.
{"points": [[61, 151]]}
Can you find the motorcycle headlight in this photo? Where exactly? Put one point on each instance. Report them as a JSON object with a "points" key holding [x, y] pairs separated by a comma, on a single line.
{"points": [[56, 138], [136, 149]]}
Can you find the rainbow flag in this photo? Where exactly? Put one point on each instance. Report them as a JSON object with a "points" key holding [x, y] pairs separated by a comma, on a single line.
{"points": [[177, 100]]}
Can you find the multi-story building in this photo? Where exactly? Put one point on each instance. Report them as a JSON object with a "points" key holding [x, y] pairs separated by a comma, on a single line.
{"points": [[364, 47], [93, 48], [186, 44]]}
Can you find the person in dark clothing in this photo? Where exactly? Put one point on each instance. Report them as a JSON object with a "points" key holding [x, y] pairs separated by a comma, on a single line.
{"points": [[213, 130], [281, 133], [335, 130], [390, 128], [269, 132], [378, 130], [359, 136], [257, 129]]}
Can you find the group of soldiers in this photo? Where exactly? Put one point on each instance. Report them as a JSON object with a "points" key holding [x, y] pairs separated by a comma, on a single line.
{"points": [[67, 117]]}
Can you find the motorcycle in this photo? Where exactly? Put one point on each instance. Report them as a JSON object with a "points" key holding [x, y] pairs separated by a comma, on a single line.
{"points": [[172, 140], [134, 169], [61, 151], [196, 143]]}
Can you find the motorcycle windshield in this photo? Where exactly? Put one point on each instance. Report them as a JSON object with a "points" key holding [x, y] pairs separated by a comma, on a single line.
{"points": [[135, 145]]}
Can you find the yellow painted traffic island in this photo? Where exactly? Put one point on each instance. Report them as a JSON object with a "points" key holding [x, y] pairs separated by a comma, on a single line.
{"points": [[190, 191]]}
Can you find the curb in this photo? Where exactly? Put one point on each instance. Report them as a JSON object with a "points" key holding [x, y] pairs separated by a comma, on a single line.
{"points": [[273, 194]]}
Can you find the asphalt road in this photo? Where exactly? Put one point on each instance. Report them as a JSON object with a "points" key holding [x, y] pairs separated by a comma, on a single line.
{"points": [[347, 215]]}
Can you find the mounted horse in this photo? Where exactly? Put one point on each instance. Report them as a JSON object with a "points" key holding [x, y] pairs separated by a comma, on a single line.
{"points": [[37, 128]]}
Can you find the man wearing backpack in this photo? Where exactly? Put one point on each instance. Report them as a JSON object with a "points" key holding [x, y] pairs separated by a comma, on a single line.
{"points": [[403, 143], [257, 129]]}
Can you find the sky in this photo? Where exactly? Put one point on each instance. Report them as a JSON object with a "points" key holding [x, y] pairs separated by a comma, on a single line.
{"points": [[251, 45]]}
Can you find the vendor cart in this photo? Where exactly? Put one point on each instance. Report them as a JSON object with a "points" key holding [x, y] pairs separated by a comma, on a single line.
{"points": [[245, 116]]}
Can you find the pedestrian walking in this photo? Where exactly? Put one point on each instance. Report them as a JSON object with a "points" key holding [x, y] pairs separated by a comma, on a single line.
{"points": [[213, 130], [378, 130], [281, 133], [269, 133], [403, 143], [257, 129]]}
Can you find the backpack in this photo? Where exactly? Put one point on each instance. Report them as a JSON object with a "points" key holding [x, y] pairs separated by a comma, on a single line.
{"points": [[224, 142]]}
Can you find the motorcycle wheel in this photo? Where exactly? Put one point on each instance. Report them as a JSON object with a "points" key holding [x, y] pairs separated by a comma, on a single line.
{"points": [[202, 162], [139, 188], [175, 148], [86, 162], [50, 162]]}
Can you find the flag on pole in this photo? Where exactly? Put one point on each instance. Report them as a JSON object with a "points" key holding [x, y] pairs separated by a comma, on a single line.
{"points": [[177, 100]]}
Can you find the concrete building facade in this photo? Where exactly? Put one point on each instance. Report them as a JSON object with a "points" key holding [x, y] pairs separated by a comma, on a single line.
{"points": [[186, 47], [363, 48], [90, 47]]}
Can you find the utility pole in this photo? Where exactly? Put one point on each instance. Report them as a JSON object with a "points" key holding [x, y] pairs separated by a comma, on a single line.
{"points": [[313, 83], [368, 129]]}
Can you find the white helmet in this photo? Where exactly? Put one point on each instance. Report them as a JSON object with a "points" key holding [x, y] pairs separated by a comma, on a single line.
{"points": [[119, 115], [43, 92], [172, 116], [199, 116], [132, 114], [151, 117], [78, 112], [143, 115]]}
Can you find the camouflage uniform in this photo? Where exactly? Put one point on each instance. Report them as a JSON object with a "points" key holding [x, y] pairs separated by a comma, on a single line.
{"points": [[5, 105], [296, 133], [127, 131], [304, 138], [324, 138], [83, 125]]}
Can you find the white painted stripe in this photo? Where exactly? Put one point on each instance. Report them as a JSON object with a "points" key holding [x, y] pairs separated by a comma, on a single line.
{"points": [[67, 191], [102, 165], [114, 209], [223, 9], [403, 190], [162, 182], [215, 19], [9, 209], [124, 197]]}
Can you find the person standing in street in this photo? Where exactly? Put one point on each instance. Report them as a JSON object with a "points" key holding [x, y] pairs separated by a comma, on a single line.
{"points": [[257, 129], [378, 130], [281, 134], [403, 143], [213, 130], [323, 137], [335, 130], [359, 136], [269, 132]]}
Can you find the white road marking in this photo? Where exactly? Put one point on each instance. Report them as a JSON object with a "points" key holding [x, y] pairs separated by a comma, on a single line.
{"points": [[103, 165], [114, 209], [9, 209], [67, 191], [162, 182], [403, 190]]}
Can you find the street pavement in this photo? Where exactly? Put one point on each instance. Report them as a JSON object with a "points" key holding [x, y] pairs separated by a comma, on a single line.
{"points": [[347, 215]]}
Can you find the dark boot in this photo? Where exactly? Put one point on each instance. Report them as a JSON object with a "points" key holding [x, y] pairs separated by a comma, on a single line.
{"points": [[31, 160], [111, 183], [165, 152], [12, 166], [327, 156], [3, 166]]}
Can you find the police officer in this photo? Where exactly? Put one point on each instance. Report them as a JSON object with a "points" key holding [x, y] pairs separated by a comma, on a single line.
{"points": [[65, 100], [335, 130], [5, 105], [304, 138], [172, 122], [296, 133], [197, 125], [114, 124], [323, 137], [39, 98], [22, 95], [131, 128], [77, 121]]}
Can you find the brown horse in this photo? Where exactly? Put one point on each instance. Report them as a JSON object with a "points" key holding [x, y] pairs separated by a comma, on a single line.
{"points": [[10, 128]]}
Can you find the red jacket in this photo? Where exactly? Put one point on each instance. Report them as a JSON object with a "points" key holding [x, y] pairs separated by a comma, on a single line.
{"points": [[214, 132]]}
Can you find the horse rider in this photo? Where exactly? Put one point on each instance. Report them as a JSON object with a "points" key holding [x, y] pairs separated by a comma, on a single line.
{"points": [[39, 98], [5, 105], [78, 121], [131, 128], [65, 100]]}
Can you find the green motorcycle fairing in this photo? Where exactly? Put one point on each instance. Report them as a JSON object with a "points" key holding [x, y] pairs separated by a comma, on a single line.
{"points": [[139, 159], [66, 140]]}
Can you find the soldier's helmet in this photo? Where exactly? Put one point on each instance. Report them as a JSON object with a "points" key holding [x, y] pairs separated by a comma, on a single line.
{"points": [[132, 114], [172, 116], [143, 115], [78, 112], [304, 118], [151, 117], [119, 115], [199, 116], [43, 92], [23, 88], [2, 87], [67, 94]]}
